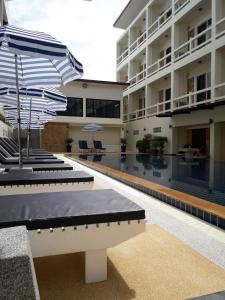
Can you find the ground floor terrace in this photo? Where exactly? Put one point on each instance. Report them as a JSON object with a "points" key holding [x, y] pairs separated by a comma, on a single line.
{"points": [[178, 257], [202, 130]]}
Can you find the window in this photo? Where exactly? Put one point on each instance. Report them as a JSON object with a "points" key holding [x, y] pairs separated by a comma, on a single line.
{"points": [[98, 108], [203, 82], [202, 27], [74, 108]]}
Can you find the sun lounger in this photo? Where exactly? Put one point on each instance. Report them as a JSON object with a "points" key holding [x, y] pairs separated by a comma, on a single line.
{"points": [[82, 221], [98, 146], [84, 146], [28, 182], [41, 167], [13, 160], [16, 148], [9, 152]]}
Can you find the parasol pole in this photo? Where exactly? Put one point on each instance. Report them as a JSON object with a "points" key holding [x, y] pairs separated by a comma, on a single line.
{"points": [[18, 114], [28, 132]]}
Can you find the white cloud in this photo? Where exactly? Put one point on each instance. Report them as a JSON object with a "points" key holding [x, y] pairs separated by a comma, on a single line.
{"points": [[85, 27]]}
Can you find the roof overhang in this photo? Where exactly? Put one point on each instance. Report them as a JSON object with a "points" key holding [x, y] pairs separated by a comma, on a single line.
{"points": [[131, 10]]}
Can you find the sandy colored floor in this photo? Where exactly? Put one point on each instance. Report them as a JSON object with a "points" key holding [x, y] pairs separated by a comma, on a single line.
{"points": [[153, 265]]}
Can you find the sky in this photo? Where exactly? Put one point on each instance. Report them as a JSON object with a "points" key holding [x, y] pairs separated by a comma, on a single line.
{"points": [[85, 27]]}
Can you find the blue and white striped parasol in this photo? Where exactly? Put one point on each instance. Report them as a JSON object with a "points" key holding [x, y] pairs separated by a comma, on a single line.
{"points": [[34, 59], [93, 127]]}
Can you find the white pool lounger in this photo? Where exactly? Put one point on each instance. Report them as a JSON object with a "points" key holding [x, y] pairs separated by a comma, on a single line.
{"points": [[15, 183], [82, 221]]}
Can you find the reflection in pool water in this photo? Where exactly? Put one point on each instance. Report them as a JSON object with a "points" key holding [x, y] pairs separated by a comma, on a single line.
{"points": [[199, 177]]}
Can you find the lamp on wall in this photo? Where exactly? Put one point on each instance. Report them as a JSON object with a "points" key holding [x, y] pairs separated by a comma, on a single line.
{"points": [[211, 121]]}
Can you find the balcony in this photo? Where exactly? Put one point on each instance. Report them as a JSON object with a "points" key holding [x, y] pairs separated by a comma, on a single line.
{"points": [[159, 65], [160, 21], [192, 45], [138, 42], [122, 57], [220, 28], [179, 5], [220, 92], [137, 78], [192, 99]]}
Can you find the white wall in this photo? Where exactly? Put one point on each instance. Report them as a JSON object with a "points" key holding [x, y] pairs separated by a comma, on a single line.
{"points": [[147, 124], [110, 138]]}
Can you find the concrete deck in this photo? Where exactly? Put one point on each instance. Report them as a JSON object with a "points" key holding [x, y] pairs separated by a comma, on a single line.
{"points": [[179, 257]]}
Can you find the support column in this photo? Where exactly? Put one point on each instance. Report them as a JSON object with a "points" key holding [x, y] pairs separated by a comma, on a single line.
{"points": [[95, 265]]}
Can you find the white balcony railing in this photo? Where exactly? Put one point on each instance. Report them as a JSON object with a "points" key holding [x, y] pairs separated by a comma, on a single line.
{"points": [[192, 99], [195, 43], [137, 78], [220, 92], [220, 27], [160, 21], [160, 64], [179, 4], [189, 100], [122, 57], [138, 42]]}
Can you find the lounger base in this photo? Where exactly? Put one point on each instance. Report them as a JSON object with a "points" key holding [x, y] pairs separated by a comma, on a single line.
{"points": [[42, 188], [92, 239]]}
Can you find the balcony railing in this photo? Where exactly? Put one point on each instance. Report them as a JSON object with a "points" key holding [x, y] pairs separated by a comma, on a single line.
{"points": [[195, 43], [220, 92], [179, 4], [220, 27], [189, 100], [160, 64], [138, 42], [160, 21], [192, 99], [122, 57], [137, 78]]}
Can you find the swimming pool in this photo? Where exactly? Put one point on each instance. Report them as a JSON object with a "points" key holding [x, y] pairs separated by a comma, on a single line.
{"points": [[198, 177]]}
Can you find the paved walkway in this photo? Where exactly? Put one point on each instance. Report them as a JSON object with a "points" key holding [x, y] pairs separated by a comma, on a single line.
{"points": [[202, 237]]}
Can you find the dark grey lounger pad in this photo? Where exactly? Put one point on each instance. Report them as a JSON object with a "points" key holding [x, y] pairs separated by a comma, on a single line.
{"points": [[41, 167], [50, 210], [33, 161], [22, 178]]}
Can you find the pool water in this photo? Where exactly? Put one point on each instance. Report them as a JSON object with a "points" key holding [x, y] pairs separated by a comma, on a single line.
{"points": [[196, 176]]}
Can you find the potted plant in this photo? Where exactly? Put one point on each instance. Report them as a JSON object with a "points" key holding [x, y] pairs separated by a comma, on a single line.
{"points": [[123, 145], [140, 145], [69, 142], [158, 144]]}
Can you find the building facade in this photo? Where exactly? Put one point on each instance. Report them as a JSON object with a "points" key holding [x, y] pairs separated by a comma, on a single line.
{"points": [[172, 53], [89, 101]]}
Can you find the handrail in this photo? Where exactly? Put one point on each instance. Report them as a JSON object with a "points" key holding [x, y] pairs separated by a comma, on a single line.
{"points": [[190, 99], [218, 23], [190, 46], [157, 23], [217, 87], [137, 78], [138, 42], [122, 56], [178, 6], [157, 64]]}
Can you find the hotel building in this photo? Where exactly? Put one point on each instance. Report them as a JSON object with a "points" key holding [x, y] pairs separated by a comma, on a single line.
{"points": [[172, 53]]}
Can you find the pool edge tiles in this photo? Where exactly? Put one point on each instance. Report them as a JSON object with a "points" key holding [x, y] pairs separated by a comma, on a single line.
{"points": [[207, 211]]}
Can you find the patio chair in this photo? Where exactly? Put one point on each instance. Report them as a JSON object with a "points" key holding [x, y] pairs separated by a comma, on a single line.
{"points": [[84, 146], [73, 225], [98, 146], [26, 182]]}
